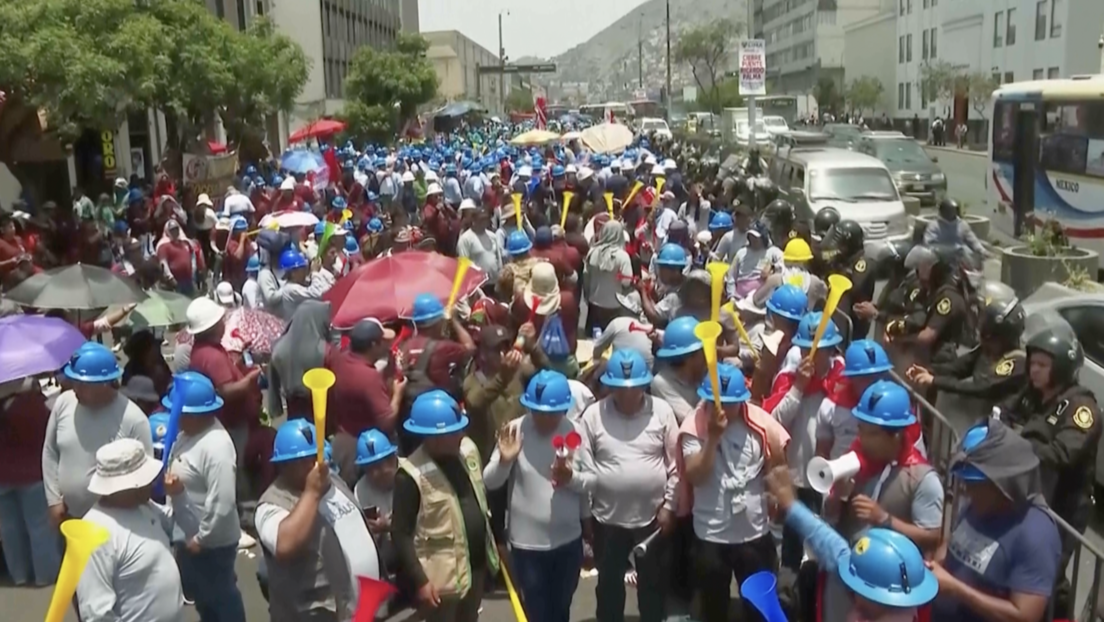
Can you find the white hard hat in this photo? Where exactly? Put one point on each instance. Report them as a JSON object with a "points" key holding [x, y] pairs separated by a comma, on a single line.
{"points": [[525, 171], [585, 172], [467, 204], [650, 160], [407, 177], [434, 189], [669, 164], [615, 164], [570, 168], [627, 163], [288, 184], [659, 171], [430, 176], [203, 314]]}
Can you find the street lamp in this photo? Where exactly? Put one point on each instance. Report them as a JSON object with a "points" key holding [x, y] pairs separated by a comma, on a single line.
{"points": [[501, 64]]}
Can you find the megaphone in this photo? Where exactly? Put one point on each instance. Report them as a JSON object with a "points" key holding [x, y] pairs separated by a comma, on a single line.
{"points": [[761, 590], [373, 594], [823, 474]]}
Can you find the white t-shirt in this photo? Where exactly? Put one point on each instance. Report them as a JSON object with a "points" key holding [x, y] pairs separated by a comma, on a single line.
{"points": [[340, 512], [729, 507], [251, 294], [582, 399], [210, 219], [368, 496]]}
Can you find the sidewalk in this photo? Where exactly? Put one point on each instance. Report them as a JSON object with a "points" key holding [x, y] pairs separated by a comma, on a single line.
{"points": [[953, 149]]}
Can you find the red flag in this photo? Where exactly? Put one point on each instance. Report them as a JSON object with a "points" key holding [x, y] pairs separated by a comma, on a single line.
{"points": [[541, 113], [330, 156], [373, 593]]}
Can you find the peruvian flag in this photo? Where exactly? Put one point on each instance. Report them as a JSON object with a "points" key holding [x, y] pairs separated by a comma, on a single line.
{"points": [[541, 110]]}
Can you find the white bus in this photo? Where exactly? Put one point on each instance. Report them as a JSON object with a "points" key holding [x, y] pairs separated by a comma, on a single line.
{"points": [[1058, 125]]}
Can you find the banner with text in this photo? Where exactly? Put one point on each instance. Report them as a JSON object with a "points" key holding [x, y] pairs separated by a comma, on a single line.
{"points": [[210, 174], [753, 67]]}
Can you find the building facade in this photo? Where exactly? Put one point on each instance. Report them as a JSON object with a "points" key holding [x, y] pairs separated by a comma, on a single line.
{"points": [[876, 33], [1010, 40], [408, 13], [456, 59]]}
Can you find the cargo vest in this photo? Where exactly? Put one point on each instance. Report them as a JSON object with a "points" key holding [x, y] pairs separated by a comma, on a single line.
{"points": [[440, 539]]}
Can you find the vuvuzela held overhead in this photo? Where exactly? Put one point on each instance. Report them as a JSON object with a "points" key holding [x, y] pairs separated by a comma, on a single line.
{"points": [[319, 380], [462, 265], [708, 333], [567, 197], [838, 285], [516, 198]]}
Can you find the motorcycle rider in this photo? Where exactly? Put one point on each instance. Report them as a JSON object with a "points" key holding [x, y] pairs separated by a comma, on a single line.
{"points": [[950, 230]]}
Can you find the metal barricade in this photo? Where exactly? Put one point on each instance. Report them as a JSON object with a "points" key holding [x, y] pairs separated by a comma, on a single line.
{"points": [[940, 437]]}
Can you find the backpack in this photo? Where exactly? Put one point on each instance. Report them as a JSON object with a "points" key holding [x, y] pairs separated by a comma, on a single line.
{"points": [[417, 378], [553, 339]]}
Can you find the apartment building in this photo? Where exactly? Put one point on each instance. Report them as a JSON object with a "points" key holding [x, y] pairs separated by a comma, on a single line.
{"points": [[456, 59], [918, 42]]}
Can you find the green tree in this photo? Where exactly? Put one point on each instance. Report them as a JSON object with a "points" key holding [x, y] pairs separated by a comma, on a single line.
{"points": [[939, 81], [706, 50], [979, 88], [865, 94], [385, 87], [726, 95], [519, 100], [828, 95]]}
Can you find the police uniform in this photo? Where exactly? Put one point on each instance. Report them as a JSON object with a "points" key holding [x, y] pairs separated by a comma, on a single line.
{"points": [[947, 314], [861, 274], [978, 375]]}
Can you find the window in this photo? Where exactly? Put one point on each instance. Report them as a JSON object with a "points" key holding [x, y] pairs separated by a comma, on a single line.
{"points": [[998, 29], [1037, 74], [934, 32], [1071, 138], [910, 7], [935, 2], [1088, 324], [1052, 73], [996, 77], [924, 45], [1055, 15], [901, 49], [1008, 77], [1040, 20], [1010, 29], [908, 48], [908, 95], [900, 96], [902, 7], [925, 4]]}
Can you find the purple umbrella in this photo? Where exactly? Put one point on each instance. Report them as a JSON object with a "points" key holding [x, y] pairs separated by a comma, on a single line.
{"points": [[34, 344]]}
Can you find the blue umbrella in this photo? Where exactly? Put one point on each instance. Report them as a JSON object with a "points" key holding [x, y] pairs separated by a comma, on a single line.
{"points": [[302, 161]]}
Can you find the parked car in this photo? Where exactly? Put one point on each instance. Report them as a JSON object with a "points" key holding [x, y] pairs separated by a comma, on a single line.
{"points": [[843, 135], [775, 124], [914, 171]]}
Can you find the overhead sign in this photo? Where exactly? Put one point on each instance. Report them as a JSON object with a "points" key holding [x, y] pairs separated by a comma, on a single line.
{"points": [[496, 69], [753, 67]]}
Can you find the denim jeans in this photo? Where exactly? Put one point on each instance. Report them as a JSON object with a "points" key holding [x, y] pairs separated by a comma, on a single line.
{"points": [[210, 579], [30, 542], [612, 547], [547, 580]]}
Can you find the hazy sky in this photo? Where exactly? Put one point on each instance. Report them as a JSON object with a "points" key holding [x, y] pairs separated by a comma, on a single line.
{"points": [[543, 28]]}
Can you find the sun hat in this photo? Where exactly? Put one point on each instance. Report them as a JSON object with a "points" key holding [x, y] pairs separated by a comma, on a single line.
{"points": [[203, 314], [140, 389], [123, 465], [545, 287], [204, 200]]}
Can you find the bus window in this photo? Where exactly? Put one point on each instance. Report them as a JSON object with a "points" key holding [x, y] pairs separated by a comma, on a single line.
{"points": [[1067, 130], [1004, 131]]}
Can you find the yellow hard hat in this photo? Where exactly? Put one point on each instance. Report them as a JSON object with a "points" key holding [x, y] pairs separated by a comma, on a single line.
{"points": [[797, 249]]}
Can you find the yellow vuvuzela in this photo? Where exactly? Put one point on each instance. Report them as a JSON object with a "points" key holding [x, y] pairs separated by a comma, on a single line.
{"points": [[837, 287], [632, 193], [462, 265], [319, 380], [608, 196], [516, 197], [709, 332], [81, 538], [717, 272], [567, 196]]}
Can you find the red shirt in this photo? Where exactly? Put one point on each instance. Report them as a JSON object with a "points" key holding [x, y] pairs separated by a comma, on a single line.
{"points": [[211, 360], [10, 250], [556, 256], [233, 268], [447, 355], [23, 419], [569, 315], [360, 398], [178, 255]]}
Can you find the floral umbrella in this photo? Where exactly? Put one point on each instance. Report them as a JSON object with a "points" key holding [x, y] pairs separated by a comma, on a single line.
{"points": [[259, 329]]}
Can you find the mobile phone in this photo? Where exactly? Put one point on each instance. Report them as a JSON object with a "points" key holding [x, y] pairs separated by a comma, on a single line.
{"points": [[247, 356], [372, 512]]}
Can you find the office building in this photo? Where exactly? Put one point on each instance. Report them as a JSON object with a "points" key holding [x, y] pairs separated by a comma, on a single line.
{"points": [[878, 32], [456, 59], [408, 13]]}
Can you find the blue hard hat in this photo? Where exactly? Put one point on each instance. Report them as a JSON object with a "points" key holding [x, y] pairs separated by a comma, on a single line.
{"points": [[200, 396], [92, 362], [887, 568], [121, 226], [292, 259], [351, 246], [427, 308], [973, 437], [373, 446], [548, 392], [806, 331], [885, 403], [295, 439], [348, 225], [450, 169], [626, 369], [733, 385], [320, 228], [518, 243], [789, 301], [238, 224], [372, 197], [253, 264], [338, 203], [558, 171], [435, 413], [375, 225], [720, 220], [865, 357], [159, 426], [277, 180], [672, 256], [679, 338]]}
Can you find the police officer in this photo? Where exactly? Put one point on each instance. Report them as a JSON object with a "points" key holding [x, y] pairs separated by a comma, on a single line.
{"points": [[996, 368], [823, 222], [942, 324], [842, 252], [779, 216], [1062, 420]]}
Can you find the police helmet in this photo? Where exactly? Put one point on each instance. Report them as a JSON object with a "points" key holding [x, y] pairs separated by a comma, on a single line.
{"points": [[780, 213], [1064, 349], [845, 238], [948, 209], [1002, 315], [824, 220]]}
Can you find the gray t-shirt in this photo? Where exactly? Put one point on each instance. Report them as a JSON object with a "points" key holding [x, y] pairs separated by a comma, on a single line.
{"points": [[682, 397], [207, 464], [483, 251], [73, 435], [602, 286], [542, 518], [927, 501], [619, 336]]}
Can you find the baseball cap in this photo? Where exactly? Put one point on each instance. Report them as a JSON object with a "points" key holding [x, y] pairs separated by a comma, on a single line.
{"points": [[367, 332]]}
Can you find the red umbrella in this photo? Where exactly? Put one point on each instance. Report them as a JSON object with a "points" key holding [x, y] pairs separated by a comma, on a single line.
{"points": [[385, 288], [321, 127]]}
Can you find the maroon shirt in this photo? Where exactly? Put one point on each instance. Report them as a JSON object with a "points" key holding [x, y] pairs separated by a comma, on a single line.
{"points": [[569, 316], [23, 419], [211, 360], [447, 355], [360, 398]]}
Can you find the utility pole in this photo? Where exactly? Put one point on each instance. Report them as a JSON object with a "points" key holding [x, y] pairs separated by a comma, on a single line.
{"points": [[667, 104], [501, 65], [640, 51], [1100, 46]]}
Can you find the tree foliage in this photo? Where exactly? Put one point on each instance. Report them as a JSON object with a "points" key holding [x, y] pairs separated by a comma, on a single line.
{"points": [[939, 81], [726, 95], [706, 49], [86, 63], [828, 95], [864, 93], [520, 100], [979, 88], [385, 87]]}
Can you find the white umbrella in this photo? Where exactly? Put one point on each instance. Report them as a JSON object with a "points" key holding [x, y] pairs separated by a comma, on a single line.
{"points": [[607, 138], [575, 135], [290, 218]]}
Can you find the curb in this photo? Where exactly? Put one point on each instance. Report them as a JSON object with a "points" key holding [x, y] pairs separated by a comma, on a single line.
{"points": [[966, 152]]}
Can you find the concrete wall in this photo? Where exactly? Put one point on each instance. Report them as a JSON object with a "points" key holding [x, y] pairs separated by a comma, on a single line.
{"points": [[456, 59], [867, 43]]}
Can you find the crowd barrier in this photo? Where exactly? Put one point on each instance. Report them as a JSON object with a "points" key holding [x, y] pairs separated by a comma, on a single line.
{"points": [[1084, 573]]}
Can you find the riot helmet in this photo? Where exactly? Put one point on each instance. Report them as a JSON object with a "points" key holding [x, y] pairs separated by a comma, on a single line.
{"points": [[1002, 315], [824, 220], [844, 239], [1067, 357]]}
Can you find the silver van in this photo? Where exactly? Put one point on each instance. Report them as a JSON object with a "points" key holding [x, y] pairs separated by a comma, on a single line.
{"points": [[858, 186]]}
